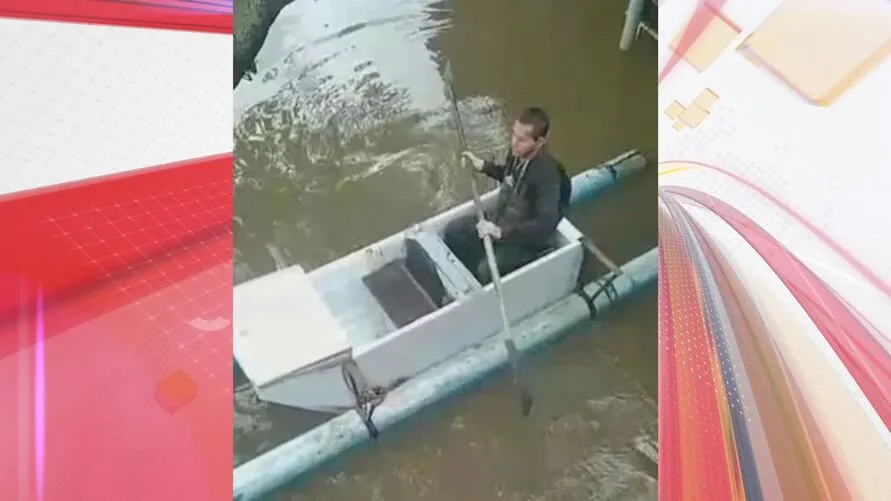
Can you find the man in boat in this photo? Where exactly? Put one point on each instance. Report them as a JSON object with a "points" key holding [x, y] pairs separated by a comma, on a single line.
{"points": [[533, 198]]}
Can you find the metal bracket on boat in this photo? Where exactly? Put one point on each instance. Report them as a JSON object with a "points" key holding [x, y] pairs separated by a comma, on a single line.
{"points": [[367, 398], [608, 288], [589, 301], [607, 285]]}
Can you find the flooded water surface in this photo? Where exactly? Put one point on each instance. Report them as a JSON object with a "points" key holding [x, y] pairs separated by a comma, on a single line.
{"points": [[343, 136]]}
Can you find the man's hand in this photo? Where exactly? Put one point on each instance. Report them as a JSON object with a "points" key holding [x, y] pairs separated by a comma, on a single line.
{"points": [[488, 229], [474, 161]]}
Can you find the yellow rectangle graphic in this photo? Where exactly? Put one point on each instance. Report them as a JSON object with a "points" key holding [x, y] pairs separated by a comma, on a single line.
{"points": [[822, 48]]}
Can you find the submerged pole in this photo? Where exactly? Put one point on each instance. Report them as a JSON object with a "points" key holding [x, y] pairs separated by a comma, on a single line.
{"points": [[632, 21], [290, 461]]}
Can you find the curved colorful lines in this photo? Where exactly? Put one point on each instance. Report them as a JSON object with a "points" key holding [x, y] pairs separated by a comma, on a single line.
{"points": [[724, 391], [847, 255], [207, 16], [741, 464], [692, 434], [866, 359], [879, 343], [780, 433], [674, 170], [730, 391]]}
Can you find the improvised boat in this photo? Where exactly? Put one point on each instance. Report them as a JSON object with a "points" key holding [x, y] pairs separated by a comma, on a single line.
{"points": [[367, 322]]}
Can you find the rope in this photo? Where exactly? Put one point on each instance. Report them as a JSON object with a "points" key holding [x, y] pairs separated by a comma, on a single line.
{"points": [[366, 398]]}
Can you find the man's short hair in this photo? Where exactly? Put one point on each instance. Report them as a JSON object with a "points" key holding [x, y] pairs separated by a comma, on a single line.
{"points": [[538, 119]]}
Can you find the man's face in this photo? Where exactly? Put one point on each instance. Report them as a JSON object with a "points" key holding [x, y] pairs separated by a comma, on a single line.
{"points": [[522, 143]]}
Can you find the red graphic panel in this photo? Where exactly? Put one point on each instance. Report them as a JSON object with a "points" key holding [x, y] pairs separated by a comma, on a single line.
{"points": [[115, 337], [214, 16]]}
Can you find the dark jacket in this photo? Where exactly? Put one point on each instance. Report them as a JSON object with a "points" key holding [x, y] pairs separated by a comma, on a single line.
{"points": [[529, 209]]}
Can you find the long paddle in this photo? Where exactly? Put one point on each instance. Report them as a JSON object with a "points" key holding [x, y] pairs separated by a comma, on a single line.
{"points": [[513, 355]]}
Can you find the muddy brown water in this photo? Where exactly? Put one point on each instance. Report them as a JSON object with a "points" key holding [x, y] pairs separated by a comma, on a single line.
{"points": [[344, 136]]}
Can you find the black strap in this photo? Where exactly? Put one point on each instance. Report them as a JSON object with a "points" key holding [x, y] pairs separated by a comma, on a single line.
{"points": [[607, 285], [580, 285], [367, 399], [589, 301]]}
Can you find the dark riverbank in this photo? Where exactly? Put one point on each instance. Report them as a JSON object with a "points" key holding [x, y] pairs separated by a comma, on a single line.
{"points": [[252, 20]]}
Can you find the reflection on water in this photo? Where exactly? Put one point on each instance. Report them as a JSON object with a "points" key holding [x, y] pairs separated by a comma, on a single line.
{"points": [[344, 136]]}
